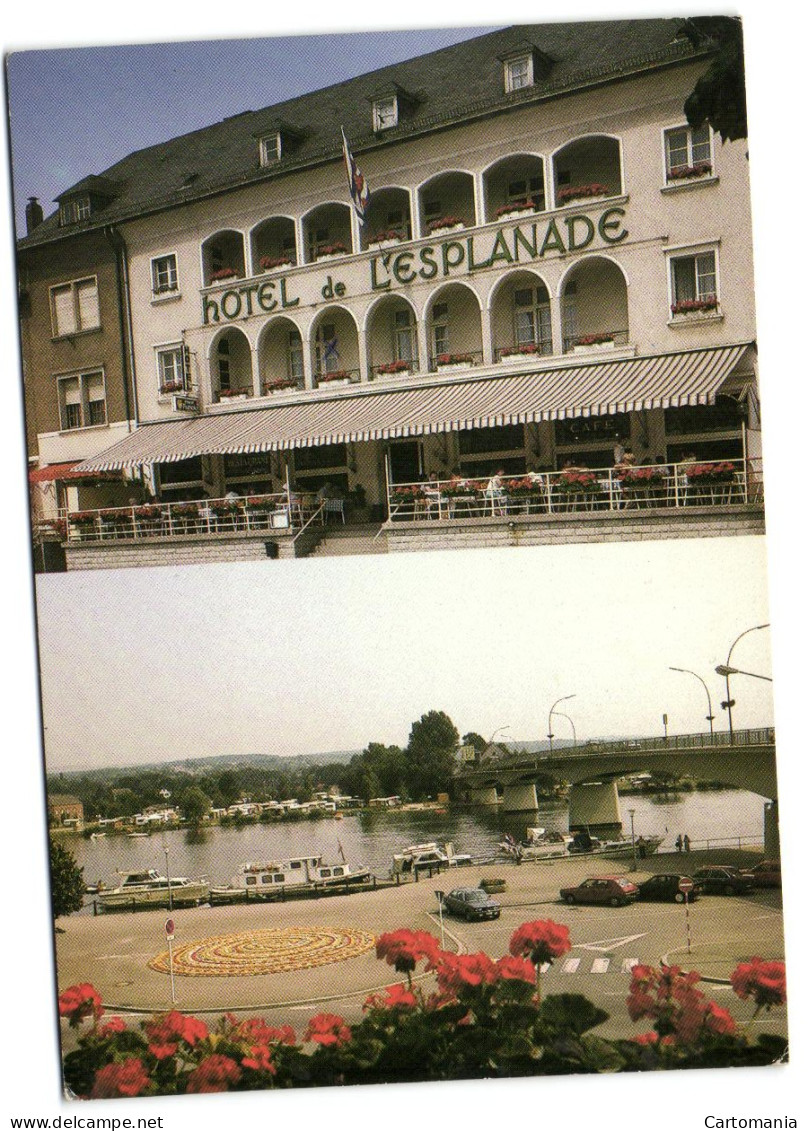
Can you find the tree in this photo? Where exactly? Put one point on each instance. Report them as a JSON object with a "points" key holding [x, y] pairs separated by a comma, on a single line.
{"points": [[194, 804], [67, 881], [476, 740], [430, 753], [229, 787], [719, 97]]}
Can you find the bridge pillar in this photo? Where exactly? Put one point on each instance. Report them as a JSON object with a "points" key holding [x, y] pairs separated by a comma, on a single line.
{"points": [[519, 797], [483, 795], [771, 831], [594, 805]]}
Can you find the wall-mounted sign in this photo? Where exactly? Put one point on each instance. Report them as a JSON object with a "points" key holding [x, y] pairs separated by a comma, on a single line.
{"points": [[186, 404]]}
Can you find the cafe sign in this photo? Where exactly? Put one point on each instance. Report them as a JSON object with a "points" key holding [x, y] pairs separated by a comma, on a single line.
{"points": [[524, 243]]}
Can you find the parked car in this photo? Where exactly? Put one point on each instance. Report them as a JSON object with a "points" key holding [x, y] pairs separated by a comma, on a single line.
{"points": [[723, 880], [665, 886], [471, 903], [612, 890], [766, 874]]}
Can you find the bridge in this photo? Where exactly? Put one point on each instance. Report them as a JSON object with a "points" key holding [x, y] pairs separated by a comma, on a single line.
{"points": [[592, 770]]}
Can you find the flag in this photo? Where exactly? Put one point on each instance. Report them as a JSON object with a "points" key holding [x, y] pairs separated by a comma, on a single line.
{"points": [[356, 182]]}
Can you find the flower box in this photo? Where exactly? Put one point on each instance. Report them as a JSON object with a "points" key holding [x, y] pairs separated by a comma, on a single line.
{"points": [[394, 369], [592, 343], [279, 387], [519, 353], [689, 172], [444, 229], [446, 361], [571, 193], [332, 251], [268, 263], [515, 210], [338, 377], [223, 275], [226, 395], [493, 884], [385, 239], [692, 310]]}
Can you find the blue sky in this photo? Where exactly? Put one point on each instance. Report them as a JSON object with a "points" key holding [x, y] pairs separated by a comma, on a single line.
{"points": [[79, 110]]}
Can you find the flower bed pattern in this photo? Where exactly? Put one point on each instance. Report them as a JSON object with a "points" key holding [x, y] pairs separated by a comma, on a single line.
{"points": [[270, 951]]}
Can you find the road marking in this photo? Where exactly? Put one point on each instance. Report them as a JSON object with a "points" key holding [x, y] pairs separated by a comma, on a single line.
{"points": [[629, 964], [571, 965], [545, 966], [600, 965], [608, 945]]}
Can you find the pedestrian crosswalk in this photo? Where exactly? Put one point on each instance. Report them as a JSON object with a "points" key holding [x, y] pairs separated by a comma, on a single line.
{"points": [[604, 965]]}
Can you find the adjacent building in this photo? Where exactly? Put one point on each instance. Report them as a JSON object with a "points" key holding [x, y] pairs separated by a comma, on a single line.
{"points": [[554, 270]]}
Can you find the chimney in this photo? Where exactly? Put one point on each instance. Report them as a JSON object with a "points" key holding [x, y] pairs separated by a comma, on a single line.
{"points": [[33, 214]]}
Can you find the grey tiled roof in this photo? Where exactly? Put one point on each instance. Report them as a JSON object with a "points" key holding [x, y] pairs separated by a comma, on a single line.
{"points": [[443, 87]]}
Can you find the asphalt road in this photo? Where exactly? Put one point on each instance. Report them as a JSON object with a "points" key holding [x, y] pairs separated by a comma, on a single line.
{"points": [[112, 951]]}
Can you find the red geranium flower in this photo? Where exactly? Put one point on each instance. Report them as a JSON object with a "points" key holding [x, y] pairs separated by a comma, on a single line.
{"points": [[260, 1059], [114, 1025], [646, 1038], [456, 971], [254, 1029], [166, 1032], [216, 1073], [541, 941], [398, 996], [328, 1029], [129, 1078], [78, 1002], [516, 969], [403, 949], [719, 1020], [764, 981]]}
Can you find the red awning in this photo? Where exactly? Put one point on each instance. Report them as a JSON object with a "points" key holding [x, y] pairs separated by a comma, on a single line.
{"points": [[65, 471]]}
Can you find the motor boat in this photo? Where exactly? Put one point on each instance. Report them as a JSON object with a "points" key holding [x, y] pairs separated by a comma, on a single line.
{"points": [[426, 857], [147, 888], [270, 879], [539, 844]]}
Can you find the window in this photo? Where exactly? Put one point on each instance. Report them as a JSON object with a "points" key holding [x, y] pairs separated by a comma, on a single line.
{"points": [[270, 149], [527, 188], [71, 211], [385, 113], [694, 283], [326, 351], [82, 401], [532, 318], [171, 369], [294, 356], [74, 307], [164, 274], [223, 363], [518, 73], [433, 210], [688, 153], [405, 344], [440, 328]]}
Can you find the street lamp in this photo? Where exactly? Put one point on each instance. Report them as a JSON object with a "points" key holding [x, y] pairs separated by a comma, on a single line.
{"points": [[572, 724], [710, 715], [499, 730], [727, 670], [722, 669], [550, 718]]}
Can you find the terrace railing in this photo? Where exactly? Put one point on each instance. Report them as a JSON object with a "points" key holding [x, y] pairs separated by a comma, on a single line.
{"points": [[243, 514], [575, 490]]}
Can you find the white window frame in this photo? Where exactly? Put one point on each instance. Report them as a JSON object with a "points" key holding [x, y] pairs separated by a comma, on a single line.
{"points": [[385, 113], [539, 313], [294, 356], [524, 64], [440, 328], [691, 160], [270, 149], [172, 285], [72, 211], [83, 378], [73, 285], [178, 350], [405, 335], [693, 252]]}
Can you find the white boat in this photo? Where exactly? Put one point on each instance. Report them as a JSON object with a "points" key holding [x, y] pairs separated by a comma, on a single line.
{"points": [[269, 879], [537, 845], [430, 855], [620, 847], [147, 888]]}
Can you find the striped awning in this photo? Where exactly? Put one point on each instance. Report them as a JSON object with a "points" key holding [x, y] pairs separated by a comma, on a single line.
{"points": [[670, 380]]}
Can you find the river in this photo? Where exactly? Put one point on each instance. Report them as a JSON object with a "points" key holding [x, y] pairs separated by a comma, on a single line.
{"points": [[371, 838]]}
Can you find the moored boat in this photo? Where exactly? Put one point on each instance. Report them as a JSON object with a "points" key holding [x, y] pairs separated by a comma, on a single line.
{"points": [[147, 888], [271, 879], [620, 847], [537, 845], [428, 856]]}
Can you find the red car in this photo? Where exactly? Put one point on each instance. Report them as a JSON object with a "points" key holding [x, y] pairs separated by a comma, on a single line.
{"points": [[766, 874], [611, 890]]}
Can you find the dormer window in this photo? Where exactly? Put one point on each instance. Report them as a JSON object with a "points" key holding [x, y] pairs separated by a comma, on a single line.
{"points": [[270, 149], [518, 73], [71, 211], [385, 113]]}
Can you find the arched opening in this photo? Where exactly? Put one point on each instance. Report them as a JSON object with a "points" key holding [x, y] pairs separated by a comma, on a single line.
{"points": [[454, 325], [273, 244], [520, 318], [445, 202], [392, 338], [231, 367], [327, 232], [513, 186], [335, 348], [594, 306], [585, 169], [387, 218], [280, 357], [223, 258]]}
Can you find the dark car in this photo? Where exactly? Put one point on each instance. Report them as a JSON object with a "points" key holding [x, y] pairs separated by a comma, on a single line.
{"points": [[766, 874], [723, 880], [611, 890], [471, 903], [666, 886]]}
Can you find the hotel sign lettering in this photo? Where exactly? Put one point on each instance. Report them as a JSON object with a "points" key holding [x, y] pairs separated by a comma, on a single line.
{"points": [[522, 244]]}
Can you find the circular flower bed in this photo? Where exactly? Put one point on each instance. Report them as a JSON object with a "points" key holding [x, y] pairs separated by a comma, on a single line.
{"points": [[270, 951]]}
